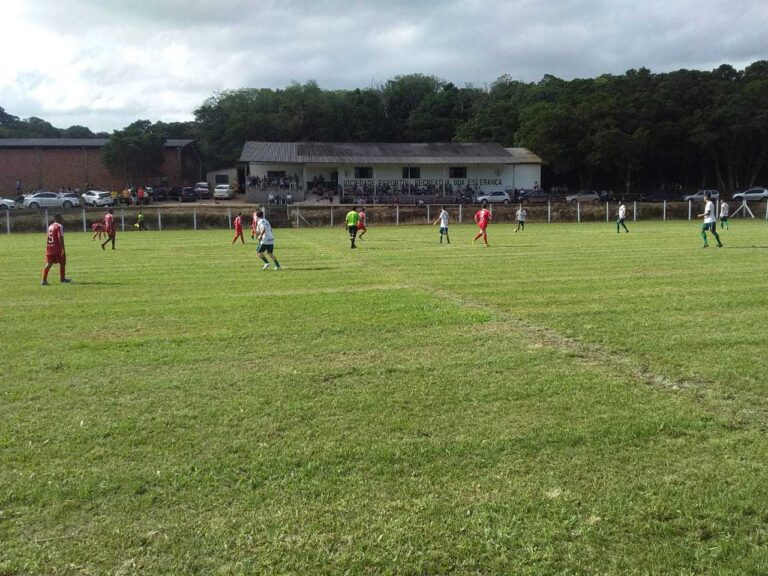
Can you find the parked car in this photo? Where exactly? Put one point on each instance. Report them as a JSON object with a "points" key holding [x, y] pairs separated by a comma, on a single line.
{"points": [[584, 196], [49, 200], [97, 198], [534, 197], [495, 197], [659, 196], [7, 204], [158, 194], [202, 190], [223, 191], [752, 194], [187, 194], [174, 193], [699, 196]]}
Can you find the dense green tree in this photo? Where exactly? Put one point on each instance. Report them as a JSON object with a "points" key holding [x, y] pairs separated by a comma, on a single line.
{"points": [[136, 152]]}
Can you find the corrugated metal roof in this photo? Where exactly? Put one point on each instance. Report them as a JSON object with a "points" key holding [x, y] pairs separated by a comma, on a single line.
{"points": [[363, 153], [73, 142]]}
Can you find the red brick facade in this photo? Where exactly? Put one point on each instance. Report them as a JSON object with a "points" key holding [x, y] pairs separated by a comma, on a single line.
{"points": [[50, 168]]}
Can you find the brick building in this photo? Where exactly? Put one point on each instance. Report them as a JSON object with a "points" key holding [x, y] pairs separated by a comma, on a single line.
{"points": [[50, 163]]}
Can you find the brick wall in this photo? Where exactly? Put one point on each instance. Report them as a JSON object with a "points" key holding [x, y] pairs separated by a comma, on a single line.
{"points": [[51, 168]]}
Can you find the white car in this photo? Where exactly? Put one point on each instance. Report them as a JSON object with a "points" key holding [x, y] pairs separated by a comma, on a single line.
{"points": [[752, 194], [584, 196], [223, 191], [7, 204], [496, 197], [49, 200], [699, 196], [97, 198]]}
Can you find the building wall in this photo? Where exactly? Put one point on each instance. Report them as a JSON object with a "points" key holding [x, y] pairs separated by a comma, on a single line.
{"points": [[51, 168], [525, 175]]}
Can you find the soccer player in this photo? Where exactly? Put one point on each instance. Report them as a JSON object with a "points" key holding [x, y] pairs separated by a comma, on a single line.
{"points": [[54, 251], [710, 222], [443, 219], [239, 228], [361, 223], [109, 228], [266, 241], [620, 219], [724, 210], [520, 215], [351, 220], [482, 219]]}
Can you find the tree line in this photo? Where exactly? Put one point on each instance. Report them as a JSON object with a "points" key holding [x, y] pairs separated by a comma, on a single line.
{"points": [[635, 131]]}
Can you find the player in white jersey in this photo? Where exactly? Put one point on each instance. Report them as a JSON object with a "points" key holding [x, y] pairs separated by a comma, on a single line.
{"points": [[724, 211], [443, 219], [710, 221], [620, 219], [521, 215], [266, 241]]}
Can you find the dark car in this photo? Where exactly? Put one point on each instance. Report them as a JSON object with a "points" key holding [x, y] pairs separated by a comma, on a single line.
{"points": [[534, 197], [174, 193], [659, 196], [159, 194], [187, 194]]}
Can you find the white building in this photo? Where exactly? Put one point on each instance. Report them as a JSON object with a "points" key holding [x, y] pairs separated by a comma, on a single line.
{"points": [[384, 171]]}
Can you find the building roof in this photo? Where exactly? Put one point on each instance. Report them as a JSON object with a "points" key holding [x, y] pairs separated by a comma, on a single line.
{"points": [[523, 156], [73, 142], [363, 153]]}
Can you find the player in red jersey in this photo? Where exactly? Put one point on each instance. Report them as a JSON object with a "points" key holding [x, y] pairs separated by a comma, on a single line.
{"points": [[254, 223], [361, 224], [109, 228], [239, 228], [482, 219], [54, 251]]}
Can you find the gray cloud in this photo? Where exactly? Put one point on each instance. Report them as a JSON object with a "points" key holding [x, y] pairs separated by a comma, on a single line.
{"points": [[105, 63]]}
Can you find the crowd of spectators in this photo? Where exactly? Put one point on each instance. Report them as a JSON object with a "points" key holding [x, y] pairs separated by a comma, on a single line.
{"points": [[274, 183]]}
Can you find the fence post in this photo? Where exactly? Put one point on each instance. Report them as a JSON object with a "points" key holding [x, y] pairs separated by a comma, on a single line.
{"points": [[664, 212], [634, 211], [85, 227], [397, 214], [460, 211], [159, 221], [7, 221], [427, 213], [46, 218], [578, 211], [194, 218], [297, 216], [229, 217], [122, 219], [766, 210], [689, 209], [331, 216], [607, 212], [549, 211]]}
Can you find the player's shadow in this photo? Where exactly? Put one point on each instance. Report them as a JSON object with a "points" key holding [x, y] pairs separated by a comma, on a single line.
{"points": [[747, 247], [97, 283]]}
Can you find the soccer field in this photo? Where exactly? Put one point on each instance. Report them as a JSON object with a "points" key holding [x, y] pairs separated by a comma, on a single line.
{"points": [[565, 401]]}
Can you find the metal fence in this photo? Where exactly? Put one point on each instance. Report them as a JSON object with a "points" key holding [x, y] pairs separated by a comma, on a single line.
{"points": [[317, 216]]}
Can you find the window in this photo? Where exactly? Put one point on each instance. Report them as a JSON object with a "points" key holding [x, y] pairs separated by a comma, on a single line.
{"points": [[363, 172], [411, 172], [457, 172]]}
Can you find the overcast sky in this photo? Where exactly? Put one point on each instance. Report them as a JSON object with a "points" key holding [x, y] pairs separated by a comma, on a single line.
{"points": [[106, 63]]}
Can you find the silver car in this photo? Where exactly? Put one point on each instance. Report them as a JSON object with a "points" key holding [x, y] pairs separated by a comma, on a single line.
{"points": [[699, 196], [49, 200], [7, 204], [584, 196], [752, 194], [97, 198]]}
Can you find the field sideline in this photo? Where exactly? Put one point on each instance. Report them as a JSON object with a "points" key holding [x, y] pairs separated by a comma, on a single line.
{"points": [[566, 401]]}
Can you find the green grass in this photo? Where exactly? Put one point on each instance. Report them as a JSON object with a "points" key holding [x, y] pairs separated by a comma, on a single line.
{"points": [[566, 401]]}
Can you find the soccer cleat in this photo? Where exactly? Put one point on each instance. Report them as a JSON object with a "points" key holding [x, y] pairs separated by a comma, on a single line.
{"points": [[66, 280], [102, 247], [277, 268], [705, 246], [44, 283], [266, 266]]}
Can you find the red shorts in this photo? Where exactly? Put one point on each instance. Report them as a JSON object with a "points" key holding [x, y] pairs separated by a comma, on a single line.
{"points": [[56, 259], [361, 227], [482, 225]]}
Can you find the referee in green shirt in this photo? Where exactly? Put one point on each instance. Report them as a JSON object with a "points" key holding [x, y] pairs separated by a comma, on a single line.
{"points": [[352, 219]]}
